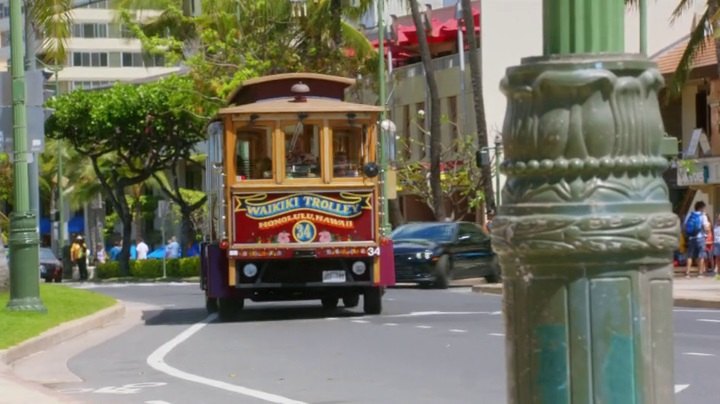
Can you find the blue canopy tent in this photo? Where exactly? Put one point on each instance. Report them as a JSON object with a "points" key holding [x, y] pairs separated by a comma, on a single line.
{"points": [[75, 225]]}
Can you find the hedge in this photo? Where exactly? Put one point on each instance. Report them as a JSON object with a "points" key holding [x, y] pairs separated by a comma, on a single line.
{"points": [[149, 269]]}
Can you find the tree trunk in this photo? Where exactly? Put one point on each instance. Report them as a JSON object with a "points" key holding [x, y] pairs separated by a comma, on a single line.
{"points": [[396, 216], [126, 218], [187, 229], [438, 202], [336, 15], [478, 100]]}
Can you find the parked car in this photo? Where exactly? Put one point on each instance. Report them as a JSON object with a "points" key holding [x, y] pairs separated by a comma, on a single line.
{"points": [[435, 253], [51, 269]]}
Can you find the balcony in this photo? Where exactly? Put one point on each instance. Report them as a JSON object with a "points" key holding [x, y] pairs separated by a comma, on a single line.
{"points": [[440, 63]]}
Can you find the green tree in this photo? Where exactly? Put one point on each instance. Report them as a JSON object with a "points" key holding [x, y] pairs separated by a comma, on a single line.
{"points": [[188, 202], [233, 40], [460, 179], [129, 132]]}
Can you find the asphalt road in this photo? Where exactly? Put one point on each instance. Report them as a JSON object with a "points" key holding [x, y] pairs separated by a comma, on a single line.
{"points": [[429, 346]]}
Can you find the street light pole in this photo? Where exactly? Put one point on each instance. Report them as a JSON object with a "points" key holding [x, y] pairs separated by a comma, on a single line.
{"points": [[61, 198], [585, 232], [498, 159], [385, 228], [24, 238]]}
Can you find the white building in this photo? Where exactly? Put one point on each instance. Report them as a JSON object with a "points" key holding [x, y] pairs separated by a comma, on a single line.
{"points": [[100, 49]]}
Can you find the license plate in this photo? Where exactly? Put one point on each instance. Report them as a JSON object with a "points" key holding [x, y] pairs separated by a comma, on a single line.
{"points": [[333, 276]]}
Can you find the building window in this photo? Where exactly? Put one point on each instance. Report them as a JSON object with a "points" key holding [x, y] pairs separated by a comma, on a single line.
{"points": [[86, 85], [4, 11], [90, 30], [134, 59], [90, 59], [5, 39], [102, 4]]}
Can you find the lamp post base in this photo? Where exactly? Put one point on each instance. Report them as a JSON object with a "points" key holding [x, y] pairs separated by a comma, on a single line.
{"points": [[24, 264]]}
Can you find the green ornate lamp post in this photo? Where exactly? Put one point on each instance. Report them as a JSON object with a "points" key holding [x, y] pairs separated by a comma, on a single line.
{"points": [[24, 239], [585, 231]]}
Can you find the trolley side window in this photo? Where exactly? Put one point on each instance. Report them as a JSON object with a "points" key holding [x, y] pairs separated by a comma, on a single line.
{"points": [[349, 148], [302, 150], [253, 153]]}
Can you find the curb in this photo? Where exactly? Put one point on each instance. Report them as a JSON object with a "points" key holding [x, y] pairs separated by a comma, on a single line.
{"points": [[677, 301], [61, 333]]}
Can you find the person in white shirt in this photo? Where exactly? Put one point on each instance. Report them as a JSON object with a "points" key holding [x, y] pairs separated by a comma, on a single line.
{"points": [[142, 250]]}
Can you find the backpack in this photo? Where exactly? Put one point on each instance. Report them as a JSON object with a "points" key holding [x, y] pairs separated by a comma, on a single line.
{"points": [[693, 225]]}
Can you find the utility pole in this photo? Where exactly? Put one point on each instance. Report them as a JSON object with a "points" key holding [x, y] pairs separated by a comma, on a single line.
{"points": [[385, 228], [24, 238], [585, 231]]}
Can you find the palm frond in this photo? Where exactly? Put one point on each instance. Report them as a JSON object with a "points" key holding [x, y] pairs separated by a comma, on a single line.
{"points": [[680, 9], [356, 40], [696, 43], [51, 21]]}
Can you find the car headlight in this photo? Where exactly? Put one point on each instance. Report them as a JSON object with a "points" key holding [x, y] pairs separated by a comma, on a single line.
{"points": [[426, 255], [250, 270], [358, 268]]}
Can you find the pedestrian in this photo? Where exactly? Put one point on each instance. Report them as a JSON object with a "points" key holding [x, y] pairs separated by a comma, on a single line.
{"points": [[696, 229], [172, 250], [78, 255], [100, 255], [716, 245], [115, 251], [142, 249]]}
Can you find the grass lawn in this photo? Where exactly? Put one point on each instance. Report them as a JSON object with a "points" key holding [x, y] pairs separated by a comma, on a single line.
{"points": [[63, 304]]}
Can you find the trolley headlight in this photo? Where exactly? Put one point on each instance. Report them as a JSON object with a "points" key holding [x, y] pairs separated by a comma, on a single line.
{"points": [[250, 270], [359, 268]]}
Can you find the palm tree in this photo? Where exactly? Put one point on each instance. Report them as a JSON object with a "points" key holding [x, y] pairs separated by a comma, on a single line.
{"points": [[438, 201], [478, 101]]}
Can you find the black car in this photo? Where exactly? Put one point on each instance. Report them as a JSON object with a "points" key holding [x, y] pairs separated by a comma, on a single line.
{"points": [[51, 268], [436, 253]]}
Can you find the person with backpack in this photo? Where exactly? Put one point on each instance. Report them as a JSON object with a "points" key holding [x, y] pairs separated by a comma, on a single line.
{"points": [[696, 229]]}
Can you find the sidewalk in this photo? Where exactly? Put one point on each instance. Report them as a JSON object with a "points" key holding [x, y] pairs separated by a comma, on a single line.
{"points": [[700, 292]]}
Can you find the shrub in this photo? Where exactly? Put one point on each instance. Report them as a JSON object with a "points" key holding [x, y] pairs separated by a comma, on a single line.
{"points": [[110, 269], [147, 269], [172, 267], [188, 267]]}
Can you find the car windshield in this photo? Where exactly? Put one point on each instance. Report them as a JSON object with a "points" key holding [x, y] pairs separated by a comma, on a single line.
{"points": [[46, 255], [438, 232]]}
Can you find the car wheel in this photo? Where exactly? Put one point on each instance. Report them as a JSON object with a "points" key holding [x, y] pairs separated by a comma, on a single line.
{"points": [[48, 280], [372, 301], [329, 303], [351, 301], [495, 275], [442, 272], [58, 280], [229, 308]]}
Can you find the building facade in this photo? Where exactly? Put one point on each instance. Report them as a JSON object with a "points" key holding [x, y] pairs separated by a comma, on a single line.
{"points": [[101, 50]]}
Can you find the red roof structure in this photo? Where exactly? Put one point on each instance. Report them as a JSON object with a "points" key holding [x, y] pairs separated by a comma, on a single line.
{"points": [[669, 58], [442, 33]]}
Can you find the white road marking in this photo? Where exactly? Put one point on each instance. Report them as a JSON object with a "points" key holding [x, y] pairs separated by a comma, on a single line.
{"points": [[156, 402], [438, 313], [680, 387], [697, 354], [424, 327], [708, 320], [125, 285], [331, 318], [496, 313], [457, 330], [156, 360], [390, 324], [360, 321], [497, 334]]}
